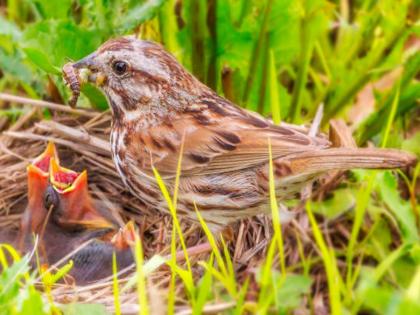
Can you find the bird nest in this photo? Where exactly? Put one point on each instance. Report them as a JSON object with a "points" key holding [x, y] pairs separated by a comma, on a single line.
{"points": [[81, 137]]}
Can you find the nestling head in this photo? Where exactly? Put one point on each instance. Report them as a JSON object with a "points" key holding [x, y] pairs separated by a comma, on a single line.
{"points": [[138, 76]]}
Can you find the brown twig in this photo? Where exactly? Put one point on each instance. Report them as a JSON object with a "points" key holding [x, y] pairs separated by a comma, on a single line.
{"points": [[44, 104]]}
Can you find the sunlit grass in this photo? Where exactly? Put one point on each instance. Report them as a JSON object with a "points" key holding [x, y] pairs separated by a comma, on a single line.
{"points": [[115, 286], [141, 278], [330, 264]]}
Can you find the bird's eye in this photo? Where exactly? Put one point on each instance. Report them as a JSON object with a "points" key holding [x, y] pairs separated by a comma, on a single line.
{"points": [[120, 67], [51, 199]]}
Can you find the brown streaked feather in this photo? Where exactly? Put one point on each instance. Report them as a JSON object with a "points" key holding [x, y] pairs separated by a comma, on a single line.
{"points": [[348, 158], [227, 145]]}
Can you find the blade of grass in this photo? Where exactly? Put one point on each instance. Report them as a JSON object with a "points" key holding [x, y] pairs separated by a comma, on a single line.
{"points": [[266, 293], [413, 291], [391, 116], [116, 291], [141, 279], [240, 302], [339, 103], [172, 210], [299, 87], [273, 90], [212, 241], [203, 290], [226, 274], [212, 67], [171, 293], [265, 60], [168, 28], [197, 17], [363, 197], [256, 52], [380, 271], [275, 212], [329, 260]]}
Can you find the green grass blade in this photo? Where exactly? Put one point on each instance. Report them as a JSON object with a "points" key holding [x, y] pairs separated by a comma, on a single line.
{"points": [[391, 116], [212, 241], [273, 90], [333, 276], [115, 287], [172, 210], [275, 212], [171, 293], [141, 279], [413, 291], [363, 197]]}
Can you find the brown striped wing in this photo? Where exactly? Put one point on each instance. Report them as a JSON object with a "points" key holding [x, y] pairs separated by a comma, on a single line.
{"points": [[218, 141]]}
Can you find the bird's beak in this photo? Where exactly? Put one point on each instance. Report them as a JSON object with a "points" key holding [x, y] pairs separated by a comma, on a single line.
{"points": [[42, 162], [60, 177], [37, 177], [87, 62], [125, 237], [77, 205], [35, 212], [89, 70]]}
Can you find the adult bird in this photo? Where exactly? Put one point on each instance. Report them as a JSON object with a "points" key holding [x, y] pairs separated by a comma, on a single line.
{"points": [[160, 110]]}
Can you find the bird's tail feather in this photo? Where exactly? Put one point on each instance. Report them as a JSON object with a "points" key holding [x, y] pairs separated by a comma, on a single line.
{"points": [[349, 158]]}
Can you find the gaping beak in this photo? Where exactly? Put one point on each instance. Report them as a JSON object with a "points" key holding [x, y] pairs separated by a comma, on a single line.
{"points": [[42, 162], [125, 237], [37, 177], [77, 206]]}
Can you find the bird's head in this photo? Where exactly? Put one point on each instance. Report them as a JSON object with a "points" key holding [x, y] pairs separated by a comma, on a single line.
{"points": [[138, 77]]}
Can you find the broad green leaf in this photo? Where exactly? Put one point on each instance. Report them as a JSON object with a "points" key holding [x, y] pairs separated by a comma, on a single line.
{"points": [[60, 41], [291, 292], [341, 201], [40, 59], [96, 97]]}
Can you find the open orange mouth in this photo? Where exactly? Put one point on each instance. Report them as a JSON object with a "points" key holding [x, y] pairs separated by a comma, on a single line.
{"points": [[64, 179], [41, 164], [76, 204], [43, 161]]}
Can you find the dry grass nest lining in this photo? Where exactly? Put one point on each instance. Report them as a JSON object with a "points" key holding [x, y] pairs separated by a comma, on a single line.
{"points": [[82, 142]]}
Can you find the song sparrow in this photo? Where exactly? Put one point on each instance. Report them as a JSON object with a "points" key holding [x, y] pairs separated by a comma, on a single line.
{"points": [[157, 105], [63, 214]]}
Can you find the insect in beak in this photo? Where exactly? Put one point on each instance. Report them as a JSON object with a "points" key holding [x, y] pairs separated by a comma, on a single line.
{"points": [[88, 70]]}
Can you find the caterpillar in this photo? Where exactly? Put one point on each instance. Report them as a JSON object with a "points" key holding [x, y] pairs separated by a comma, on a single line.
{"points": [[72, 79]]}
